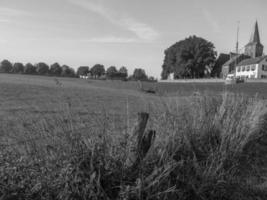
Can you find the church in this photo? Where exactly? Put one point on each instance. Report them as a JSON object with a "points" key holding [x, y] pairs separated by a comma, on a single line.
{"points": [[252, 63]]}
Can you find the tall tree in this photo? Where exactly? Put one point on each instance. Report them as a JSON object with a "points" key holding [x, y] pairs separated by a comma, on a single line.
{"points": [[5, 66], [98, 70], [123, 72], [83, 71], [112, 72], [55, 69], [189, 58], [18, 68], [67, 71], [42, 68], [29, 69], [139, 74]]}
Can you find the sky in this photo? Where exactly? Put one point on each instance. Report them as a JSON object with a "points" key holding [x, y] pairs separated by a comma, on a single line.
{"points": [[131, 33]]}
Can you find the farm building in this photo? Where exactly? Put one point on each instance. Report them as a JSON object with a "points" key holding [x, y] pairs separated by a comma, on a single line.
{"points": [[251, 61]]}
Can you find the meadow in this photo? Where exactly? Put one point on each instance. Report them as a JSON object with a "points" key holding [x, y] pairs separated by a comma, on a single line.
{"points": [[68, 138]]}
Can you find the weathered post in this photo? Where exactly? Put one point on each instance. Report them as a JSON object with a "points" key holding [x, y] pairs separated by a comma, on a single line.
{"points": [[140, 142]]}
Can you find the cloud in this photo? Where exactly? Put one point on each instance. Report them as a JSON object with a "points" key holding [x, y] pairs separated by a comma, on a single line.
{"points": [[4, 20], [210, 19], [111, 39], [141, 30], [10, 12]]}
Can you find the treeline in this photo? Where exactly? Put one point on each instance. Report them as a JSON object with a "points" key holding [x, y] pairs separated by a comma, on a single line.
{"points": [[98, 71], [40, 68]]}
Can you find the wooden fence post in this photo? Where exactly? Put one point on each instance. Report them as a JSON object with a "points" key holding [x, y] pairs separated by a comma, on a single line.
{"points": [[140, 142]]}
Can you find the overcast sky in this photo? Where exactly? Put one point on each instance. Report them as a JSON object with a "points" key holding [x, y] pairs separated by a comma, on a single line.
{"points": [[133, 33]]}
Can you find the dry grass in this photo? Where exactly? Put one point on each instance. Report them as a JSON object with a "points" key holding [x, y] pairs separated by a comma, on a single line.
{"points": [[206, 147]]}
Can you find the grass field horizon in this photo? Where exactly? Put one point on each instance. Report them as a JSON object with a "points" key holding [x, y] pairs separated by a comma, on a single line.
{"points": [[68, 138]]}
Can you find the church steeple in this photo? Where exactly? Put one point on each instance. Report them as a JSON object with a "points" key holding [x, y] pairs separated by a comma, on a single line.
{"points": [[254, 48], [255, 36]]}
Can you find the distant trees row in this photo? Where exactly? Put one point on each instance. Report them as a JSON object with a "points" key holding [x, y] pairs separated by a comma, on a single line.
{"points": [[39, 68], [112, 72], [97, 71]]}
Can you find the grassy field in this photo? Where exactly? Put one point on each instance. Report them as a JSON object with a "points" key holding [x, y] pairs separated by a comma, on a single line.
{"points": [[65, 138]]}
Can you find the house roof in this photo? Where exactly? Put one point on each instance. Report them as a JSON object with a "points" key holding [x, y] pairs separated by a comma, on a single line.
{"points": [[251, 61], [234, 59]]}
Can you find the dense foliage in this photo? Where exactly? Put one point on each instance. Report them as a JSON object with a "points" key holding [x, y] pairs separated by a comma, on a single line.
{"points": [[192, 57], [5, 66], [55, 69], [83, 71], [42, 68], [98, 70], [67, 71], [139, 74], [29, 69], [111, 72], [18, 68]]}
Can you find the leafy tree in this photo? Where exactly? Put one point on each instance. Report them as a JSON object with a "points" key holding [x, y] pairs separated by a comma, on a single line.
{"points": [[55, 69], [83, 71], [67, 71], [29, 69], [112, 72], [98, 70], [42, 68], [188, 58], [123, 72], [5, 66], [139, 74], [18, 68]]}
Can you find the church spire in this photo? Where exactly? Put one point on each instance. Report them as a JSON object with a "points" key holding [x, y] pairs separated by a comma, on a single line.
{"points": [[254, 48], [255, 36]]}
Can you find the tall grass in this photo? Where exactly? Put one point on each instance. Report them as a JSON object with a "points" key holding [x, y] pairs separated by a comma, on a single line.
{"points": [[205, 148]]}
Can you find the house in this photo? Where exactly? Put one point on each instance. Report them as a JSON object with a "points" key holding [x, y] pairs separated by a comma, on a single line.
{"points": [[252, 68], [171, 76], [229, 66], [248, 64]]}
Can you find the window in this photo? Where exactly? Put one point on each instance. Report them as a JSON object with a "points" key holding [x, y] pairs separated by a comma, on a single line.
{"points": [[253, 67], [238, 69], [243, 68], [248, 68], [263, 76], [264, 67]]}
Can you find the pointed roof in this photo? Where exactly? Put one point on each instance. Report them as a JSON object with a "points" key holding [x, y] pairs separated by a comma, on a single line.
{"points": [[255, 36], [252, 61]]}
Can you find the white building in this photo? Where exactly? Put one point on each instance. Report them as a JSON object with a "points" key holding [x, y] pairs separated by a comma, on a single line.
{"points": [[252, 68]]}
